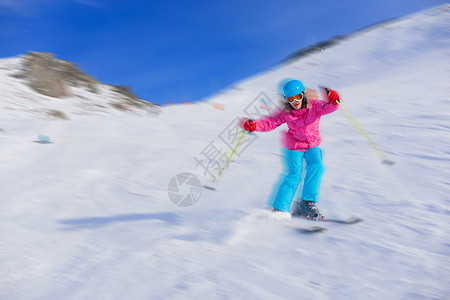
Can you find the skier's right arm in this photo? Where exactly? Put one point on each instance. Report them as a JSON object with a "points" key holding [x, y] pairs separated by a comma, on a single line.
{"points": [[269, 123]]}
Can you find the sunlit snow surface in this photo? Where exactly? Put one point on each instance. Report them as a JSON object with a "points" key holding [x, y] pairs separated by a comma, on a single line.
{"points": [[88, 215]]}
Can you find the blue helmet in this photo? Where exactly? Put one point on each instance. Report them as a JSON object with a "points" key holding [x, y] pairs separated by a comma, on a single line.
{"points": [[292, 87]]}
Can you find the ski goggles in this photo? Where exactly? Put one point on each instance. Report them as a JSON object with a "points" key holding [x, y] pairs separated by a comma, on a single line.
{"points": [[292, 99]]}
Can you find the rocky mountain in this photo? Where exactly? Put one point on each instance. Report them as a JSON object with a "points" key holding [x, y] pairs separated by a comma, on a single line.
{"points": [[40, 84]]}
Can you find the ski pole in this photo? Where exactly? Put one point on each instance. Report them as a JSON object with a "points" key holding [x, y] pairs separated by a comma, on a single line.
{"points": [[223, 169], [352, 120], [234, 150], [385, 160]]}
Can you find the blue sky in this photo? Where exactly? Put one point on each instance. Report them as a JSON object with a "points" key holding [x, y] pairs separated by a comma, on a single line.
{"points": [[172, 51]]}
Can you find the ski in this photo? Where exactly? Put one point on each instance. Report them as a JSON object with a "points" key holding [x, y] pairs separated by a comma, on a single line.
{"points": [[351, 220]]}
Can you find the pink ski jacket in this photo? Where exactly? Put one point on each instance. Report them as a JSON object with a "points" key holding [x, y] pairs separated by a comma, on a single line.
{"points": [[303, 125]]}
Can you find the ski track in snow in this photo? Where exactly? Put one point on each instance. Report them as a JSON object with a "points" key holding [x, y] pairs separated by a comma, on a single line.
{"points": [[88, 215]]}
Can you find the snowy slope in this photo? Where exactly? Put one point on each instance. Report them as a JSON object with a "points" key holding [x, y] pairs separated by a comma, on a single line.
{"points": [[88, 216]]}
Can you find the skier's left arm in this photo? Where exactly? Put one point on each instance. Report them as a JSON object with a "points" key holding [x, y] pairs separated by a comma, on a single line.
{"points": [[333, 102]]}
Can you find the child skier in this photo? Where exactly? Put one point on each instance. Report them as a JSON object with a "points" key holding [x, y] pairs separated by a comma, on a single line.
{"points": [[301, 142]]}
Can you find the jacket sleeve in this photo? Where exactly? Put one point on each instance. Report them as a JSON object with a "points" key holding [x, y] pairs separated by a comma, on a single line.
{"points": [[325, 108], [271, 122]]}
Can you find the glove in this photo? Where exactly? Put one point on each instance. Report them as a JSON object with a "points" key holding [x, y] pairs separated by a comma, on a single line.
{"points": [[249, 125], [333, 96]]}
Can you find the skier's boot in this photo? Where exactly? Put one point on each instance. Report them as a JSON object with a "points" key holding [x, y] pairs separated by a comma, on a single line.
{"points": [[307, 209]]}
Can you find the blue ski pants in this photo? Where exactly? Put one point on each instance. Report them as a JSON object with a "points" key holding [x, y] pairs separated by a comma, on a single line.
{"points": [[290, 180]]}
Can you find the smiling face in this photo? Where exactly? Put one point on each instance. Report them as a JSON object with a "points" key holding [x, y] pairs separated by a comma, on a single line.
{"points": [[297, 104]]}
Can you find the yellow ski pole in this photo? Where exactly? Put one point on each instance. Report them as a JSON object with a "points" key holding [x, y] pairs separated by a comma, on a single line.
{"points": [[226, 165], [384, 158], [231, 155]]}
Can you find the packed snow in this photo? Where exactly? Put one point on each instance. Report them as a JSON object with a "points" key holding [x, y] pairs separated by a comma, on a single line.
{"points": [[86, 213]]}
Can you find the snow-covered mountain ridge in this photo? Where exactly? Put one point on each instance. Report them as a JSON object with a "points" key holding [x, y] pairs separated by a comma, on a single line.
{"points": [[41, 85], [321, 46], [88, 215], [389, 47]]}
